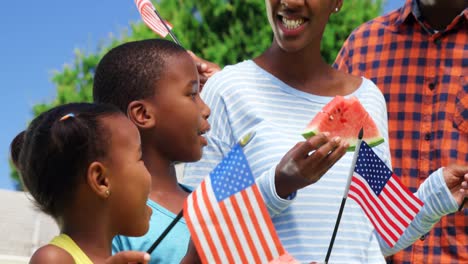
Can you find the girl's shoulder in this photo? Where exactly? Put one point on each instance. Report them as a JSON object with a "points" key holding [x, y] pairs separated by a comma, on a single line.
{"points": [[51, 254]]}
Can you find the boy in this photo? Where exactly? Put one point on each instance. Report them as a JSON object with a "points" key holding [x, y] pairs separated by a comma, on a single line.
{"points": [[157, 84]]}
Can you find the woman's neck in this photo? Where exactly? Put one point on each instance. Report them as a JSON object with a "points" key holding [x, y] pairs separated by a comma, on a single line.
{"points": [[307, 71], [303, 70], [301, 62]]}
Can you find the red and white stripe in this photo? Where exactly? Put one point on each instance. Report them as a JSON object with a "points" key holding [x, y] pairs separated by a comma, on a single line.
{"points": [[235, 230], [147, 12], [392, 211]]}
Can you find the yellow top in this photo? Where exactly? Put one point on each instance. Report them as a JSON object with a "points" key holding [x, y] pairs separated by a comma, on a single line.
{"points": [[66, 243]]}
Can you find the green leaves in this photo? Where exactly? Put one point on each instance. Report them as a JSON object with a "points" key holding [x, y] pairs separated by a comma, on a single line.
{"points": [[222, 31], [352, 14]]}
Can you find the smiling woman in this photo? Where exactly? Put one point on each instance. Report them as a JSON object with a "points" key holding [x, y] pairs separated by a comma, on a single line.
{"points": [[275, 95]]}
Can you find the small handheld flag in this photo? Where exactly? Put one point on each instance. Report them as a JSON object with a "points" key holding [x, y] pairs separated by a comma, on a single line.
{"points": [[345, 195], [153, 20], [228, 219], [388, 204]]}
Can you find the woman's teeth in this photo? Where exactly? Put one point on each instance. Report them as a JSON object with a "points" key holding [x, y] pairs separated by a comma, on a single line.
{"points": [[292, 23]]}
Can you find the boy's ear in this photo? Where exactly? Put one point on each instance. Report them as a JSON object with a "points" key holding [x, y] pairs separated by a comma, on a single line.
{"points": [[98, 180], [141, 114]]}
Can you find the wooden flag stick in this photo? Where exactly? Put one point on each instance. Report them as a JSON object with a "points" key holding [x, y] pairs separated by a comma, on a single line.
{"points": [[345, 194], [165, 232], [168, 28]]}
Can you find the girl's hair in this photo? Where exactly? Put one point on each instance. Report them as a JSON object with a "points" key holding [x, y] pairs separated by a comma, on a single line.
{"points": [[53, 154]]}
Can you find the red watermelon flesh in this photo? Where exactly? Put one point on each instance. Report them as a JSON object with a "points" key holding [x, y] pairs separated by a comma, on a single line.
{"points": [[344, 117]]}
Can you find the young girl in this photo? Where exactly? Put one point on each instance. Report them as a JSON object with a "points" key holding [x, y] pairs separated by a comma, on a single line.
{"points": [[156, 83], [82, 165]]}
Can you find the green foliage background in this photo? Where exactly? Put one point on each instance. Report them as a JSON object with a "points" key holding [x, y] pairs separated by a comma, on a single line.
{"points": [[221, 31]]}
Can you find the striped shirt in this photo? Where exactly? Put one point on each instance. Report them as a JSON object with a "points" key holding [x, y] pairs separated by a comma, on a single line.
{"points": [[246, 98], [423, 75]]}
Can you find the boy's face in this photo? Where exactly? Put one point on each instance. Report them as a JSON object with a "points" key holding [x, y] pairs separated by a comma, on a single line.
{"points": [[180, 113], [129, 178]]}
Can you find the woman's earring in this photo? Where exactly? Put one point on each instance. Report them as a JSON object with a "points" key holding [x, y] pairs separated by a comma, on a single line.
{"points": [[336, 9], [107, 193]]}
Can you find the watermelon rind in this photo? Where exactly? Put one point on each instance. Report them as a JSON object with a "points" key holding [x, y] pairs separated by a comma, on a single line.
{"points": [[345, 117], [372, 142]]}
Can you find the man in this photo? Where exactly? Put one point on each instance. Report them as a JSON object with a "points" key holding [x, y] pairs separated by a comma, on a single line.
{"points": [[418, 56]]}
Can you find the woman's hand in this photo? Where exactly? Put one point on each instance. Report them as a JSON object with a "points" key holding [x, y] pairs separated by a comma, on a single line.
{"points": [[456, 178], [192, 256], [205, 68], [307, 162]]}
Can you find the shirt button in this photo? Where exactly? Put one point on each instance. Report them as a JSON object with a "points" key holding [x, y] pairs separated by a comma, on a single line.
{"points": [[427, 136], [437, 41], [431, 86], [422, 237]]}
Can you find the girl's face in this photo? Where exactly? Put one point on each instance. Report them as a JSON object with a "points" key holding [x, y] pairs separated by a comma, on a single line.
{"points": [[298, 24], [129, 180], [180, 113]]}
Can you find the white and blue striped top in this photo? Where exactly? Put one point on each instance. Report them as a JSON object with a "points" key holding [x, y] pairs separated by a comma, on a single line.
{"points": [[245, 98]]}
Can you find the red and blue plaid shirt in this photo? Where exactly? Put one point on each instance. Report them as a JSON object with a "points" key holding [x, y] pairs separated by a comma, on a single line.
{"points": [[423, 74]]}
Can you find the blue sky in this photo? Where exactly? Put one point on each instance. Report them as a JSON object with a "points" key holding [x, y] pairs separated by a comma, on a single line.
{"points": [[38, 37]]}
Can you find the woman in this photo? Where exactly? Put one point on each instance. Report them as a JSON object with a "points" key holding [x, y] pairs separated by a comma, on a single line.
{"points": [[275, 95]]}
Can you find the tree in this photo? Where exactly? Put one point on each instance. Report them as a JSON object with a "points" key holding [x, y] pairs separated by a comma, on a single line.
{"points": [[221, 31]]}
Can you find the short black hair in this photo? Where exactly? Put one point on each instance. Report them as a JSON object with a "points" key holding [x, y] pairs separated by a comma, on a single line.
{"points": [[54, 152], [131, 71]]}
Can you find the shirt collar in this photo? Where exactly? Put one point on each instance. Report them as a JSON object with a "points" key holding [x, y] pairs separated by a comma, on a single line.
{"points": [[405, 11]]}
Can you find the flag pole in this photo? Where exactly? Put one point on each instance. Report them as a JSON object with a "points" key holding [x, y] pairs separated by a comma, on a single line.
{"points": [[345, 194], [167, 27], [165, 232], [462, 204]]}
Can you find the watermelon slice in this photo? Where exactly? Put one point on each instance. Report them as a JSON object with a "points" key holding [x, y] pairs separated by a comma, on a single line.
{"points": [[344, 117]]}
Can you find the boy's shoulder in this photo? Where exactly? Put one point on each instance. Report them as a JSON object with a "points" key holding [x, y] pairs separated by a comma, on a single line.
{"points": [[51, 254]]}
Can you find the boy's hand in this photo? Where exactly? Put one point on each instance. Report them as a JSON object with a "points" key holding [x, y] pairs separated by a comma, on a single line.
{"points": [[205, 68], [307, 162], [127, 257], [191, 257], [456, 178]]}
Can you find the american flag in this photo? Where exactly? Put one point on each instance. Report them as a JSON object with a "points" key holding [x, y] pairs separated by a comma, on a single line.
{"points": [[228, 219], [148, 14], [388, 204]]}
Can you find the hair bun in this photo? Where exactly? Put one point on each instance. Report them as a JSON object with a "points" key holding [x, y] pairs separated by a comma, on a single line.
{"points": [[15, 148]]}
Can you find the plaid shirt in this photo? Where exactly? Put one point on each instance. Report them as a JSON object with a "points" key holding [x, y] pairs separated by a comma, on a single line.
{"points": [[423, 74]]}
